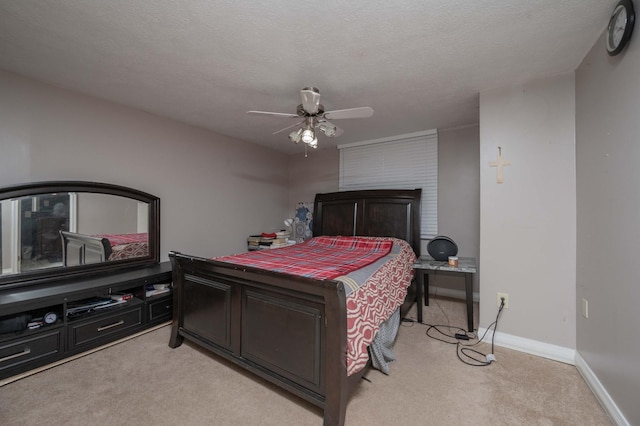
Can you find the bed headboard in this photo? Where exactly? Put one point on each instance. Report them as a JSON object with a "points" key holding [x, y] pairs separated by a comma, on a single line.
{"points": [[370, 213]]}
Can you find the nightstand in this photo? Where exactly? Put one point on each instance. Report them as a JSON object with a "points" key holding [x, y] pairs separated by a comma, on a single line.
{"points": [[426, 266]]}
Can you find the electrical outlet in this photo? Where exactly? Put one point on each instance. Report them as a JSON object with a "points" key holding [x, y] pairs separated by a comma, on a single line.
{"points": [[506, 300], [585, 308]]}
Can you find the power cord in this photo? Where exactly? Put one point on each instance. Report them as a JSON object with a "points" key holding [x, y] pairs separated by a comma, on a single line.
{"points": [[435, 300], [460, 333], [465, 352]]}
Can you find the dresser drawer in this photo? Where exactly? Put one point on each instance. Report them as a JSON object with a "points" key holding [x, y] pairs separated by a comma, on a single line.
{"points": [[104, 327], [160, 309], [38, 348]]}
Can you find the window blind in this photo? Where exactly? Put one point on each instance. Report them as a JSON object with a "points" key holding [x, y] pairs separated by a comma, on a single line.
{"points": [[402, 162]]}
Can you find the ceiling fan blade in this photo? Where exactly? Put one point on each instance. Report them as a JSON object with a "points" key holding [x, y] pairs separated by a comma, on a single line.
{"points": [[274, 114], [310, 99], [288, 127], [341, 114]]}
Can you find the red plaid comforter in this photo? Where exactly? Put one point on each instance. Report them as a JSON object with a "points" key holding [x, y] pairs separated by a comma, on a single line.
{"points": [[375, 288], [119, 239], [322, 258], [126, 246]]}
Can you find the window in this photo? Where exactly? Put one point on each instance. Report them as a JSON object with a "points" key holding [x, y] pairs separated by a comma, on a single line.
{"points": [[401, 162]]}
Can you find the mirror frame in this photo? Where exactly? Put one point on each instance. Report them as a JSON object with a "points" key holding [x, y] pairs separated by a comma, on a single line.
{"points": [[56, 273]]}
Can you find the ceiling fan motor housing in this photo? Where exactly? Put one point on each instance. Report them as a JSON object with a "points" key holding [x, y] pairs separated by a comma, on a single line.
{"points": [[303, 113]]}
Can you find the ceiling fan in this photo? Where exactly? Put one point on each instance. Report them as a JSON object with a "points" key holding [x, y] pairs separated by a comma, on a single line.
{"points": [[313, 117]]}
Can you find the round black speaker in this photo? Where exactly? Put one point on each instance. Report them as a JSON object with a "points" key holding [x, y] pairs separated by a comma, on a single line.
{"points": [[441, 247]]}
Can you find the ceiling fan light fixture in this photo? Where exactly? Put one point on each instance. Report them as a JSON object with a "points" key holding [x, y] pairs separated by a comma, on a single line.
{"points": [[295, 136], [308, 136], [314, 143], [329, 131]]}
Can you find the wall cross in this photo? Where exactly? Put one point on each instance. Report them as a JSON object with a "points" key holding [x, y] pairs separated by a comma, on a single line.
{"points": [[499, 163]]}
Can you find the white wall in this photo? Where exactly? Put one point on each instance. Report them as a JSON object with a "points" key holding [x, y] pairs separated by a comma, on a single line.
{"points": [[528, 223], [608, 233], [214, 190]]}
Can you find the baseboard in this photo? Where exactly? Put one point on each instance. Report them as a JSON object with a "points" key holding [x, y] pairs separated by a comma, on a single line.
{"points": [[452, 293], [600, 392], [533, 347], [561, 354]]}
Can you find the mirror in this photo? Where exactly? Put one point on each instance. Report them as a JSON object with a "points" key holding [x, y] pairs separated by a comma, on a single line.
{"points": [[54, 229]]}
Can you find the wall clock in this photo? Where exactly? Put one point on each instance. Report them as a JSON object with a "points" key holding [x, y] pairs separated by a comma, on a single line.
{"points": [[620, 27]]}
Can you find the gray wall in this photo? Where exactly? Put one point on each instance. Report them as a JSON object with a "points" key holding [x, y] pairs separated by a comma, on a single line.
{"points": [[527, 223], [107, 214], [214, 190], [458, 201], [318, 172], [608, 227]]}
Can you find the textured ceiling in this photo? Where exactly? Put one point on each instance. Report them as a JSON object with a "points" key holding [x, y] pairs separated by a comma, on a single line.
{"points": [[419, 64]]}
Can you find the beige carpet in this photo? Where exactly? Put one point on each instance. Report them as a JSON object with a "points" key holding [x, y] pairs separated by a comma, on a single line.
{"points": [[144, 382]]}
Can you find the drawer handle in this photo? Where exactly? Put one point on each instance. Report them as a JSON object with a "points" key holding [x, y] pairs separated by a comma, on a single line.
{"points": [[115, 324], [26, 351]]}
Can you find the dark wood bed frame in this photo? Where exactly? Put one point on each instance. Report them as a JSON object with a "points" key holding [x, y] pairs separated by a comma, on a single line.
{"points": [[80, 249], [289, 330]]}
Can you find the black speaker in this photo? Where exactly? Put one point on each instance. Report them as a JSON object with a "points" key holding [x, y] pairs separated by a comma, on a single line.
{"points": [[441, 247]]}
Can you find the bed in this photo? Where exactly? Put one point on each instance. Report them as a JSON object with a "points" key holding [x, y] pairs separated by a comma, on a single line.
{"points": [[288, 329], [81, 249], [126, 246]]}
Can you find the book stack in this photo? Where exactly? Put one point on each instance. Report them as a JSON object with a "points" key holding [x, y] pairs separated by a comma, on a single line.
{"points": [[253, 242], [281, 239], [267, 241], [283, 234]]}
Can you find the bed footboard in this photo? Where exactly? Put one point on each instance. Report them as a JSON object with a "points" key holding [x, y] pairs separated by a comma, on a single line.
{"points": [[80, 249], [288, 330]]}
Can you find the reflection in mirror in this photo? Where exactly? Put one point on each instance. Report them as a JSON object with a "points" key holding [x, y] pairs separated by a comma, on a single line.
{"points": [[29, 228], [119, 223], [54, 230]]}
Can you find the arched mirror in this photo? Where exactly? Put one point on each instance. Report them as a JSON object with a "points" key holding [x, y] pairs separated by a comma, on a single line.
{"points": [[50, 230]]}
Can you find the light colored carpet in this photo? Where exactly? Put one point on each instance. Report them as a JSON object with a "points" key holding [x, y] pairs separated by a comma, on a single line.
{"points": [[144, 382]]}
